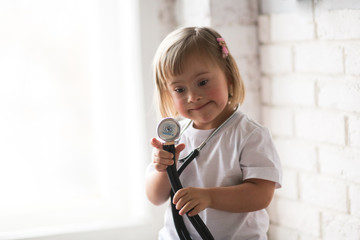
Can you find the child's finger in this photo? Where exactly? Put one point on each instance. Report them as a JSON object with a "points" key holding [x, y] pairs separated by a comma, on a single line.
{"points": [[156, 143], [179, 194], [163, 161], [188, 207], [160, 153], [196, 210], [179, 148]]}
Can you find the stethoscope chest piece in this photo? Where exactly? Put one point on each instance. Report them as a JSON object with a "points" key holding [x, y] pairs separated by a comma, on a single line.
{"points": [[168, 129]]}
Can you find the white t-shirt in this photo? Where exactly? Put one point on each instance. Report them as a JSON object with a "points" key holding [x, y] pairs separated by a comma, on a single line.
{"points": [[241, 150]]}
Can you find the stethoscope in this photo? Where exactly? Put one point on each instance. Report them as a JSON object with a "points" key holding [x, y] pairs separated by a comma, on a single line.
{"points": [[169, 130]]}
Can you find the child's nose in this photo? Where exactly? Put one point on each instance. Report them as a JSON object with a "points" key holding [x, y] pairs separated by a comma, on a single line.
{"points": [[194, 96]]}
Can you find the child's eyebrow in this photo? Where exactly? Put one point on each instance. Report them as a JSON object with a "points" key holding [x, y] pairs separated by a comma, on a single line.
{"points": [[171, 83], [200, 73], [174, 82]]}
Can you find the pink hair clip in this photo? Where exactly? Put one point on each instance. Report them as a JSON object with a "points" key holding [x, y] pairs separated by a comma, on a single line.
{"points": [[222, 43]]}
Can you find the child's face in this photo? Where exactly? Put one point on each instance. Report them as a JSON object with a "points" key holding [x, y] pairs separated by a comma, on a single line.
{"points": [[200, 93]]}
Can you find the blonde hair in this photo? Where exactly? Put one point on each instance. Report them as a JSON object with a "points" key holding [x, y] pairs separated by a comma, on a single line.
{"points": [[172, 54]]}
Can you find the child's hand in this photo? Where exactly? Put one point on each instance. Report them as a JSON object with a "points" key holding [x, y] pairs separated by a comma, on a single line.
{"points": [[161, 158], [191, 200]]}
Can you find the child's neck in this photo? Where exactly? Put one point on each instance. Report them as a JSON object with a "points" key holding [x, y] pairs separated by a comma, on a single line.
{"points": [[225, 114]]}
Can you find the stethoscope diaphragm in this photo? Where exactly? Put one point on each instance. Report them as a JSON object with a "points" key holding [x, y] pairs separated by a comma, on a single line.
{"points": [[168, 129]]}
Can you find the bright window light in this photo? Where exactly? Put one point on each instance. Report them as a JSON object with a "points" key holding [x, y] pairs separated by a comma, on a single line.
{"points": [[71, 118]]}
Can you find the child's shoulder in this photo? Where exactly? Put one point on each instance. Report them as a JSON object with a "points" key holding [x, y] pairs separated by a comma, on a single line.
{"points": [[247, 125]]}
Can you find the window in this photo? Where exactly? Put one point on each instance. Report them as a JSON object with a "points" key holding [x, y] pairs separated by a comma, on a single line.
{"points": [[71, 118]]}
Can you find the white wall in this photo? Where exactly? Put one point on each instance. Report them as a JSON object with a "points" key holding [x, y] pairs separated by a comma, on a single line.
{"points": [[309, 54]]}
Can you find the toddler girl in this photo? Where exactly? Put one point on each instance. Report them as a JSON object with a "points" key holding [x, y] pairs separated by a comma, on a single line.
{"points": [[233, 179]]}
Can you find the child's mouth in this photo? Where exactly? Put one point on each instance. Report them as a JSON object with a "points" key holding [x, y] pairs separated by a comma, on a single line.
{"points": [[200, 107]]}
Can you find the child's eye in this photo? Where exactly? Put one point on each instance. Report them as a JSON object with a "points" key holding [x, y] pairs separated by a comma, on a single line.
{"points": [[203, 82], [179, 90]]}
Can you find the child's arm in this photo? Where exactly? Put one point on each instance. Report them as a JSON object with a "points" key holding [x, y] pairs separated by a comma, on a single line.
{"points": [[252, 195], [157, 183]]}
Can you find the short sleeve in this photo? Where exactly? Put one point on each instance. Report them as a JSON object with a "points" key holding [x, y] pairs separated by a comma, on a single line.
{"points": [[150, 169], [259, 158]]}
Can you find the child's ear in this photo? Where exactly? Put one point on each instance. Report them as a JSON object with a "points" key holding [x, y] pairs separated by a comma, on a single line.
{"points": [[229, 83], [230, 90], [230, 80]]}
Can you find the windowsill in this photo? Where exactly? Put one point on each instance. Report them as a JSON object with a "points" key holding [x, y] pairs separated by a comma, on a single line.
{"points": [[75, 218]]}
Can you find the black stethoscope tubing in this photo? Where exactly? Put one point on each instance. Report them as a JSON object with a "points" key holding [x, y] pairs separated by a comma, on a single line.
{"points": [[196, 221], [173, 175]]}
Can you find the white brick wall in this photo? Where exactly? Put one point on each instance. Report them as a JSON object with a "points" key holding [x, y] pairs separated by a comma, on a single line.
{"points": [[297, 154], [354, 195], [318, 57], [340, 24], [276, 232], [276, 59], [320, 125], [310, 90], [340, 226], [291, 27], [298, 216], [232, 12], [341, 92], [354, 131], [323, 192], [352, 60], [289, 90], [340, 163]]}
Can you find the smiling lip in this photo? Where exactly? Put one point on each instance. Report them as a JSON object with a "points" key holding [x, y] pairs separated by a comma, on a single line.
{"points": [[199, 107]]}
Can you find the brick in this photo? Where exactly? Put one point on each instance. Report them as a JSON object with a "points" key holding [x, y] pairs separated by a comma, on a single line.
{"points": [[308, 237], [339, 93], [352, 60], [354, 197], [289, 187], [275, 59], [249, 71], [242, 40], [340, 227], [292, 90], [318, 58], [232, 12], [291, 27], [323, 191], [338, 24], [354, 131], [264, 28], [166, 17], [296, 154], [281, 6], [251, 105], [265, 83], [333, 5], [340, 162], [320, 126], [279, 121], [194, 13], [278, 233], [295, 215]]}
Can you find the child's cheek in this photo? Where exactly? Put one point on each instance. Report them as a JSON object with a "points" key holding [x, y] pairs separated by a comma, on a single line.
{"points": [[217, 94], [179, 104]]}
